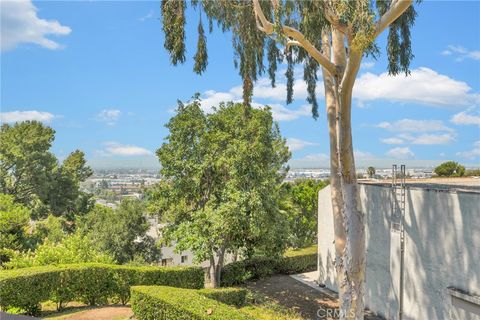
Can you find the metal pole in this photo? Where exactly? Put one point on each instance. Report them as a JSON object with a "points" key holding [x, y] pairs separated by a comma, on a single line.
{"points": [[402, 238]]}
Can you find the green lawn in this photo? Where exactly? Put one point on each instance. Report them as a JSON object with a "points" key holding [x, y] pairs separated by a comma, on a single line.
{"points": [[301, 251]]}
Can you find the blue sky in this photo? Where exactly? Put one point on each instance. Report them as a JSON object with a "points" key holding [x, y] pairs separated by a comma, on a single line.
{"points": [[98, 74]]}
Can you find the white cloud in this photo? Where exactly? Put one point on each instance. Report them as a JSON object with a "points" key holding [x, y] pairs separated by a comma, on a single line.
{"points": [[262, 90], [461, 53], [412, 125], [20, 24], [148, 16], [423, 86], [429, 139], [426, 132], [367, 65], [360, 155], [282, 113], [471, 154], [108, 116], [18, 116], [400, 153], [116, 149], [465, 118], [392, 140], [315, 157], [298, 144]]}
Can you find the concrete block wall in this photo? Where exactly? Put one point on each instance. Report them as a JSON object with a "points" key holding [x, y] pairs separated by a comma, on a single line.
{"points": [[442, 250]]}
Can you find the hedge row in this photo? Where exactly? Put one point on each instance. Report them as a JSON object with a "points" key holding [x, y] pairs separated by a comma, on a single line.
{"points": [[167, 303], [88, 282], [259, 267]]}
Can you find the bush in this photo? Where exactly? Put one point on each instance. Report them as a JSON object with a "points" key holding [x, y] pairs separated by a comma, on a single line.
{"points": [[450, 169], [295, 261], [91, 283], [159, 302]]}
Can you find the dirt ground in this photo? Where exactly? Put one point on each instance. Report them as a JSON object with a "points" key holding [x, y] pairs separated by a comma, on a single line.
{"points": [[100, 313], [290, 293]]}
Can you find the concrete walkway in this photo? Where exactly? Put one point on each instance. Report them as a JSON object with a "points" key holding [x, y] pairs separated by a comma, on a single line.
{"points": [[8, 316]]}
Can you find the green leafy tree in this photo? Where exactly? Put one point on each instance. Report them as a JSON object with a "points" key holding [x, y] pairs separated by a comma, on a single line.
{"points": [[65, 197], [450, 169], [221, 177], [371, 172], [331, 36], [32, 175], [14, 219], [300, 202], [120, 232], [52, 229], [74, 248], [25, 162]]}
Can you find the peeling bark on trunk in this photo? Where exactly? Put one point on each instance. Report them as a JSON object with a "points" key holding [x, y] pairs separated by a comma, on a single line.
{"points": [[354, 258], [335, 182], [350, 262]]}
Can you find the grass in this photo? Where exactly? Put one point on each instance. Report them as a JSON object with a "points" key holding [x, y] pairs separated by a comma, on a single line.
{"points": [[262, 308], [301, 251]]}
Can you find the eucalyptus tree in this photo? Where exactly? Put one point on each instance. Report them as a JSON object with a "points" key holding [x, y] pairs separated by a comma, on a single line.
{"points": [[331, 35]]}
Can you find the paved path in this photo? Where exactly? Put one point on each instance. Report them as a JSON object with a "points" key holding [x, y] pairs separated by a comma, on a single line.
{"points": [[7, 316], [310, 302]]}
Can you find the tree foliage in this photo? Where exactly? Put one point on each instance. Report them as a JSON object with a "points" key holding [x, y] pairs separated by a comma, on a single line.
{"points": [[32, 175], [221, 175], [371, 172], [120, 232], [251, 45], [450, 169], [74, 248], [300, 202], [14, 227]]}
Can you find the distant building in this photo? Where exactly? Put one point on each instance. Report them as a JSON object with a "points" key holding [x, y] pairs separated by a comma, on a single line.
{"points": [[168, 255]]}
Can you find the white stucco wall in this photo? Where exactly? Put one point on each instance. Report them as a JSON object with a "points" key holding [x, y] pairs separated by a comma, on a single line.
{"points": [[442, 249]]}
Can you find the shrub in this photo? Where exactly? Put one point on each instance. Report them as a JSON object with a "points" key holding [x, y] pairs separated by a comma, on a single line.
{"points": [[91, 283], [159, 302], [295, 261], [450, 169]]}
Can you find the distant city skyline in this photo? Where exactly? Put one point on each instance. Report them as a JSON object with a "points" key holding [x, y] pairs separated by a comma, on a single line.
{"points": [[98, 74]]}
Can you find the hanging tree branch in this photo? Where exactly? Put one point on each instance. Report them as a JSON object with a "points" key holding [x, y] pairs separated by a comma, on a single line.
{"points": [[396, 9], [297, 38]]}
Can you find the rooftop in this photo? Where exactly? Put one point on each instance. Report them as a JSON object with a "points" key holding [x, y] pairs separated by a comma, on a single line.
{"points": [[462, 184]]}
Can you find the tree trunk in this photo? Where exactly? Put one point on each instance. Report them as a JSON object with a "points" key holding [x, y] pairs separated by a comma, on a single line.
{"points": [[213, 272], [221, 256], [354, 259], [335, 182], [215, 269]]}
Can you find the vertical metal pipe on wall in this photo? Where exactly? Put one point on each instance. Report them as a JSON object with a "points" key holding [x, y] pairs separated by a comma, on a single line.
{"points": [[399, 208]]}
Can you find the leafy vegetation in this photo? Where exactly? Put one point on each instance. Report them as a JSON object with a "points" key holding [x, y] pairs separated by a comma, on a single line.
{"points": [[294, 261], [90, 283], [74, 248], [14, 220], [33, 176], [121, 232], [299, 201], [221, 178], [450, 169], [159, 302], [331, 36]]}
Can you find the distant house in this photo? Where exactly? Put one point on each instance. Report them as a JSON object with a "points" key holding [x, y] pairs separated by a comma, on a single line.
{"points": [[441, 266], [169, 257]]}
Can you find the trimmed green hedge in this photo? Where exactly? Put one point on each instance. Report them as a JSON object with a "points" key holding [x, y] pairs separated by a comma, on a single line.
{"points": [[168, 303], [260, 267], [88, 282]]}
